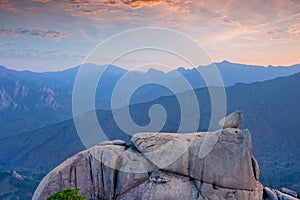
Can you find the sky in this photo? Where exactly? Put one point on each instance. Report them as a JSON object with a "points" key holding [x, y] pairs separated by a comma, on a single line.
{"points": [[51, 35]]}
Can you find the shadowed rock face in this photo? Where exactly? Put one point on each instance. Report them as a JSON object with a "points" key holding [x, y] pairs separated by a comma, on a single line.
{"points": [[215, 165]]}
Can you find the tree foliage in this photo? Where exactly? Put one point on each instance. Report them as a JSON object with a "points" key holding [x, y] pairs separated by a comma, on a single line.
{"points": [[67, 194]]}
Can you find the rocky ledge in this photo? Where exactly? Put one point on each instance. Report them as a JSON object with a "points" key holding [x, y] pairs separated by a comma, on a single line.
{"points": [[204, 165]]}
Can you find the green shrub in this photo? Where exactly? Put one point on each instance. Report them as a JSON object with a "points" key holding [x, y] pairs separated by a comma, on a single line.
{"points": [[67, 194]]}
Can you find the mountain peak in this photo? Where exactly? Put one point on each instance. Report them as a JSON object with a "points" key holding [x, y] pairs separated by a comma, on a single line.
{"points": [[154, 71], [225, 62], [2, 67]]}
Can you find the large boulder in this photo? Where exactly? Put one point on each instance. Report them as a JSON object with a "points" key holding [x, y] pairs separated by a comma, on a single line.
{"points": [[208, 165], [94, 171], [227, 162]]}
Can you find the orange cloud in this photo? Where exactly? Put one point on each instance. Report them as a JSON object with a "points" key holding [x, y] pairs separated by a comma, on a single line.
{"points": [[41, 1], [6, 5], [88, 12], [136, 4]]}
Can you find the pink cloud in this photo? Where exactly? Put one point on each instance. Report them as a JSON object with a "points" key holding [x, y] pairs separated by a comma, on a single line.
{"points": [[6, 5], [132, 4], [290, 33]]}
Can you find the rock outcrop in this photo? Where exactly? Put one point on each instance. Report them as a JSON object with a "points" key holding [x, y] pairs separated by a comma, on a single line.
{"points": [[196, 166], [233, 120], [160, 166]]}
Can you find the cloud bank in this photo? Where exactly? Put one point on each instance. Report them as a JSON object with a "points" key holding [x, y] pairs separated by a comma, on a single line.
{"points": [[22, 32]]}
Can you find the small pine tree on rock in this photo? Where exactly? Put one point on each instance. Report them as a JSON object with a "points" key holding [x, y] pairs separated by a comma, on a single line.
{"points": [[67, 194]]}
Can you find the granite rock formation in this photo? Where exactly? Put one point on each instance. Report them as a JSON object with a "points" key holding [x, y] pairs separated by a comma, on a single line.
{"points": [[196, 166]]}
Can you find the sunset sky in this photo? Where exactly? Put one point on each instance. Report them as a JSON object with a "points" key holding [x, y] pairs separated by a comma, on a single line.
{"points": [[43, 35]]}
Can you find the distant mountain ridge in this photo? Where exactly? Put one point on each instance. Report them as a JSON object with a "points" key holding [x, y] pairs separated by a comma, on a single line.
{"points": [[233, 73], [31, 100], [271, 109]]}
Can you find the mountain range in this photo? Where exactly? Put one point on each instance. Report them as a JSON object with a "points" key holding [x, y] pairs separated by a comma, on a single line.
{"points": [[271, 109], [30, 100]]}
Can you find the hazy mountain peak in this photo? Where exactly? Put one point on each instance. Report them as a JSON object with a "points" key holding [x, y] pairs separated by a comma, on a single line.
{"points": [[154, 71], [226, 62], [2, 67]]}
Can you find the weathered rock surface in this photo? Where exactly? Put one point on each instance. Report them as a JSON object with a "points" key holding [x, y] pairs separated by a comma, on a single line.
{"points": [[284, 194], [216, 165], [233, 120], [93, 171], [269, 194], [228, 161], [288, 191]]}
